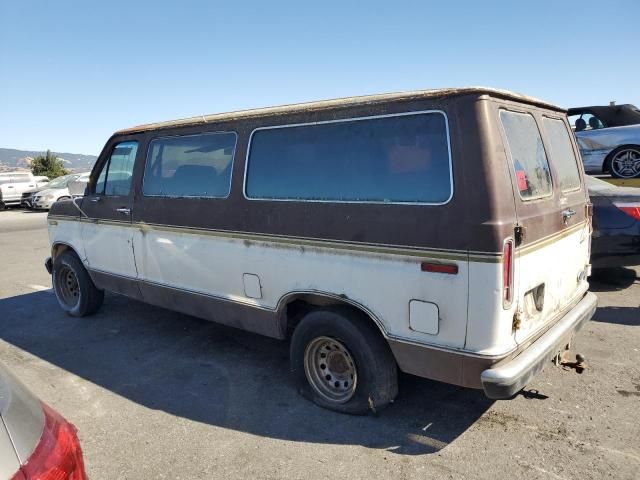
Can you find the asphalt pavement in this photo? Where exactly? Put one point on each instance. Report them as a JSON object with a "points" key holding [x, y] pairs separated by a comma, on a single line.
{"points": [[160, 395]]}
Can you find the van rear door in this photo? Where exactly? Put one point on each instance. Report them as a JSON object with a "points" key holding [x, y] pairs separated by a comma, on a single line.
{"points": [[552, 236]]}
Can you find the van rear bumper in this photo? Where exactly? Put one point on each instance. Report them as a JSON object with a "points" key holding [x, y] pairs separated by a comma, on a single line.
{"points": [[505, 379]]}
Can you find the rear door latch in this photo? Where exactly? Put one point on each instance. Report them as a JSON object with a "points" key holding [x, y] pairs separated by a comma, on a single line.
{"points": [[567, 214]]}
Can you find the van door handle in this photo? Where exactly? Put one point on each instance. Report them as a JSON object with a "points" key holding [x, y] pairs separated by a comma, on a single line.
{"points": [[567, 214], [124, 211]]}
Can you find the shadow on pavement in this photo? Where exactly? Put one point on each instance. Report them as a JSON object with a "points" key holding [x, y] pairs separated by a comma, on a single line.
{"points": [[611, 279], [620, 315], [224, 377]]}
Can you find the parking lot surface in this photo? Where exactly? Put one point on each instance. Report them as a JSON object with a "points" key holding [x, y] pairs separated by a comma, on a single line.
{"points": [[157, 394]]}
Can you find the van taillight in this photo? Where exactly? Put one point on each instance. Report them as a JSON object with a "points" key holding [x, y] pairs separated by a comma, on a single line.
{"points": [[507, 273], [57, 456]]}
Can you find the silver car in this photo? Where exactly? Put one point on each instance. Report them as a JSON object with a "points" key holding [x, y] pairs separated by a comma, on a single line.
{"points": [[609, 139], [35, 441], [57, 189]]}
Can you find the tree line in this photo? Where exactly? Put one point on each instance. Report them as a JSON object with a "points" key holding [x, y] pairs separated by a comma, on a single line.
{"points": [[48, 165]]}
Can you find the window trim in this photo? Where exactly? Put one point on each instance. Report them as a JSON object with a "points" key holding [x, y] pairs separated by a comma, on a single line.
{"points": [[512, 166], [233, 159], [342, 120], [575, 157]]}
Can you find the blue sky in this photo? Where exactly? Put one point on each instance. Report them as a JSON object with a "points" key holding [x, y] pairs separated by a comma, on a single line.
{"points": [[72, 72]]}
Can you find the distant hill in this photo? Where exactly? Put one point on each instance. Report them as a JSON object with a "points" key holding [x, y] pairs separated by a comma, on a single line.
{"points": [[75, 162]]}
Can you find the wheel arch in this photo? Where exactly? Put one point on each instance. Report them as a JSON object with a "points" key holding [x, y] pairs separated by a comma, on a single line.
{"points": [[59, 247], [294, 305]]}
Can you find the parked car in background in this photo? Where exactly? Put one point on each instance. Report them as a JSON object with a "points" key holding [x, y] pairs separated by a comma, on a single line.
{"points": [[14, 184], [58, 189], [616, 224], [27, 197], [35, 441], [609, 139]]}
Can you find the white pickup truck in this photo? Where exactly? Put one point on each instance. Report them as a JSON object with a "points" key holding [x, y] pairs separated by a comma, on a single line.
{"points": [[13, 184]]}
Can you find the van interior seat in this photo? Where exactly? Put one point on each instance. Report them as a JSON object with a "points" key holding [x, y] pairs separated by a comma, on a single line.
{"points": [[195, 180]]}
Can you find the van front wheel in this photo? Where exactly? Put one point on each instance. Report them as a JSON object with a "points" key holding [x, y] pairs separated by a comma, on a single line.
{"points": [[74, 289], [340, 361]]}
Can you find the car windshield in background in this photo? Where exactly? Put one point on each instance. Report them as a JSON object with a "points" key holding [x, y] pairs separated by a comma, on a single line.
{"points": [[586, 121], [61, 182], [527, 154]]}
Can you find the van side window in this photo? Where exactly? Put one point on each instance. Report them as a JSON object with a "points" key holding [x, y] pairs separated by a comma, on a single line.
{"points": [[115, 177], [527, 154], [403, 158], [562, 153], [190, 166]]}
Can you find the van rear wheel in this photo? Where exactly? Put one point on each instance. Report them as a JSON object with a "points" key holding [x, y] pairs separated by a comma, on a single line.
{"points": [[340, 361], [74, 289]]}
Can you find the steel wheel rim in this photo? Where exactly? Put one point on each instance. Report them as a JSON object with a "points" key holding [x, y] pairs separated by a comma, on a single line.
{"points": [[68, 287], [330, 369], [626, 163]]}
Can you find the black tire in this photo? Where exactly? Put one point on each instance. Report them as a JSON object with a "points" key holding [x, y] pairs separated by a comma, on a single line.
{"points": [[376, 382], [634, 149], [79, 298]]}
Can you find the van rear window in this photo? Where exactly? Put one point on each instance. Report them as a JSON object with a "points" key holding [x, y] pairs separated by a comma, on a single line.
{"points": [[527, 154], [562, 154], [190, 165], [394, 159]]}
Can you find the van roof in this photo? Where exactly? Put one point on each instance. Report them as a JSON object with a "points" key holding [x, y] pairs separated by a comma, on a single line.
{"points": [[347, 101]]}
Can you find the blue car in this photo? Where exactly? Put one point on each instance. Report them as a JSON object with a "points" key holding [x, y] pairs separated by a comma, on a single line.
{"points": [[616, 224]]}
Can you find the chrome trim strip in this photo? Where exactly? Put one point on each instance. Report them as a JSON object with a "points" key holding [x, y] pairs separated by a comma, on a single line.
{"points": [[353, 119]]}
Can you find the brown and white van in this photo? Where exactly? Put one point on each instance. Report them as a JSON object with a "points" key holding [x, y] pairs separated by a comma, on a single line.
{"points": [[445, 233]]}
